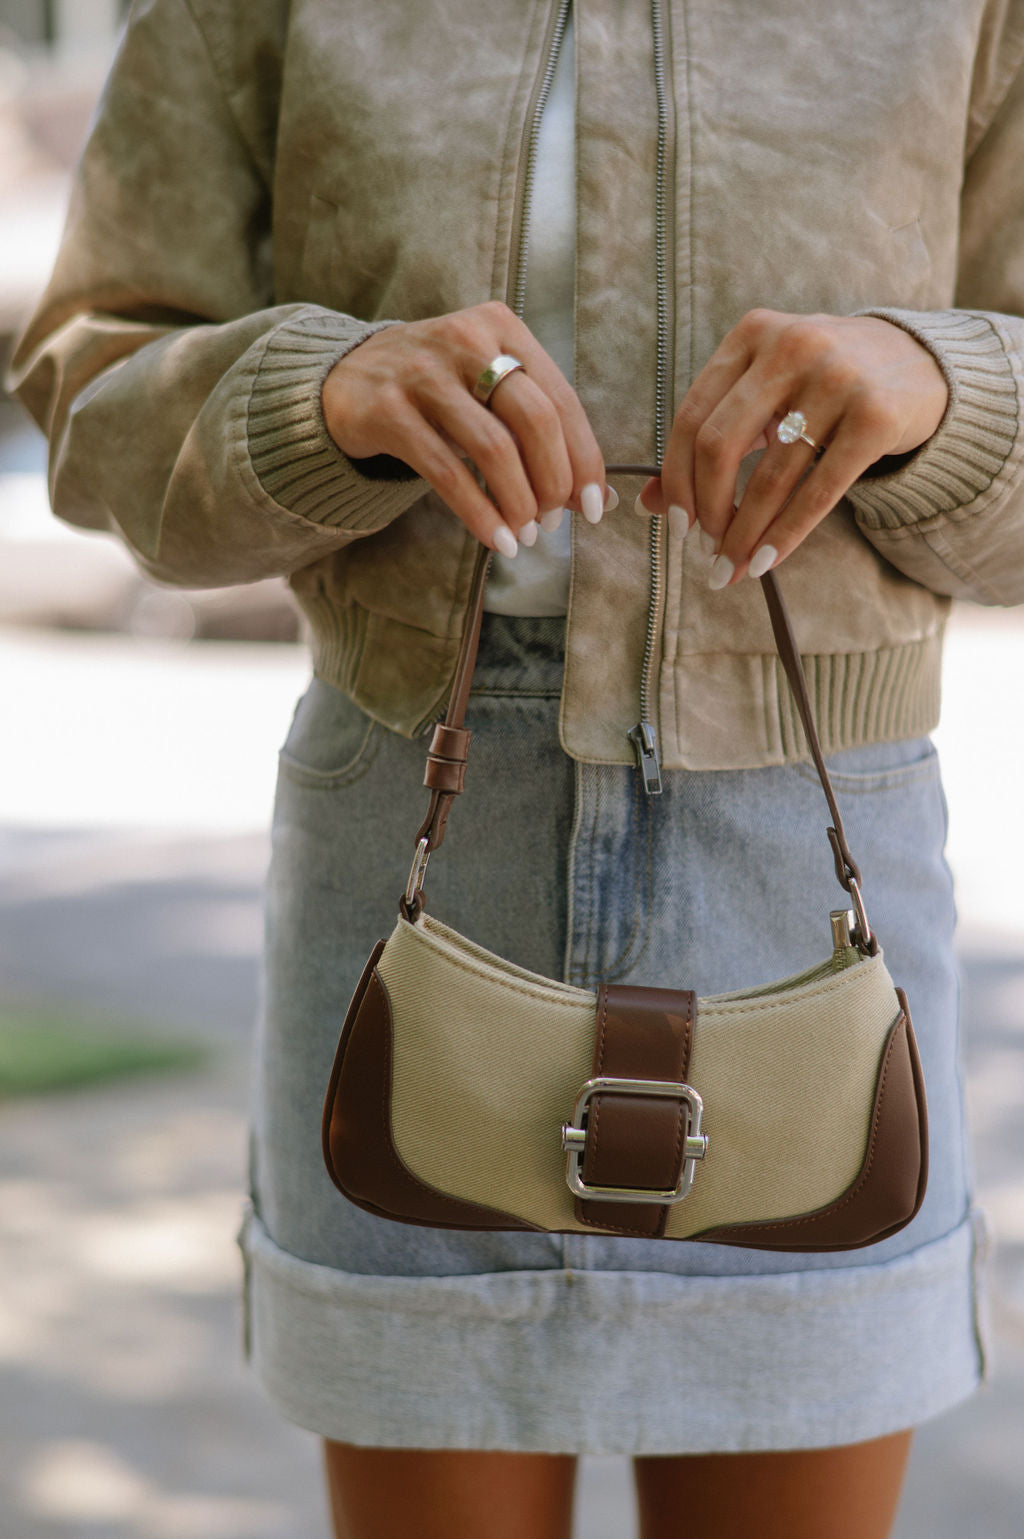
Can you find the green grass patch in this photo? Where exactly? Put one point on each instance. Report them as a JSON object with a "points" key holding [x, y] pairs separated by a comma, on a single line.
{"points": [[45, 1052]]}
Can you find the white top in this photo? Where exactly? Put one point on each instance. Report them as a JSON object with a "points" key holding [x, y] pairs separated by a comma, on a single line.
{"points": [[536, 581]]}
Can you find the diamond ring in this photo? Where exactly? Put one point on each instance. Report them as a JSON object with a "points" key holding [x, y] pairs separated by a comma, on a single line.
{"points": [[793, 429], [492, 376]]}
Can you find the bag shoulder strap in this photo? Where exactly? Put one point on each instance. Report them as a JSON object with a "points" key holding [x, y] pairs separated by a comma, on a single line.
{"points": [[449, 746]]}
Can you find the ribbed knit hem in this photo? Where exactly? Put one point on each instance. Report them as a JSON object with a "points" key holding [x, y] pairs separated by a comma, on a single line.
{"points": [[863, 697], [718, 711], [736, 710], [965, 456], [355, 651], [293, 455], [337, 638]]}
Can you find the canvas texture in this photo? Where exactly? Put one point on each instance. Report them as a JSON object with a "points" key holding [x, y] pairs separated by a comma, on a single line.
{"points": [[488, 1061]]}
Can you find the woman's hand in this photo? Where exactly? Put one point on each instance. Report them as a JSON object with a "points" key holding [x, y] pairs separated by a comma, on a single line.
{"points": [[407, 391], [866, 388]]}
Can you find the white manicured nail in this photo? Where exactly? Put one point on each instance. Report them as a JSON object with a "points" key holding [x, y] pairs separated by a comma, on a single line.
{"points": [[678, 521], [763, 559], [592, 502], [707, 544], [639, 507], [720, 572], [505, 541], [551, 520], [529, 532], [611, 500]]}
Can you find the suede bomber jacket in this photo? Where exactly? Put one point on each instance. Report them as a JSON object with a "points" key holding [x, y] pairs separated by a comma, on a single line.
{"points": [[267, 182]]}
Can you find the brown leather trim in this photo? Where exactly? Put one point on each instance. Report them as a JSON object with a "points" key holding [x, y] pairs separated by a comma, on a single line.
{"points": [[446, 760], [330, 1098], [450, 742], [359, 1152], [637, 1140], [890, 1185], [444, 775], [436, 821], [789, 655]]}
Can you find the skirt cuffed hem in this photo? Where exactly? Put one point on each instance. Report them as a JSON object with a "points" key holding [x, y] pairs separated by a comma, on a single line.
{"points": [[601, 1362]]}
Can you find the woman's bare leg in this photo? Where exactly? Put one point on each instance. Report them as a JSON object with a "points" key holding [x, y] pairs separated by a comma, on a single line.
{"points": [[819, 1493], [381, 1493]]}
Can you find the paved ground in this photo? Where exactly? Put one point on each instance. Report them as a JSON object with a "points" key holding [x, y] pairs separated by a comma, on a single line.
{"points": [[125, 1412]]}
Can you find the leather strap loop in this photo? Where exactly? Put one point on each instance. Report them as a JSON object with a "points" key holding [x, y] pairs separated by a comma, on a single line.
{"points": [[450, 743], [446, 760], [637, 1141], [433, 826], [443, 775], [846, 867]]}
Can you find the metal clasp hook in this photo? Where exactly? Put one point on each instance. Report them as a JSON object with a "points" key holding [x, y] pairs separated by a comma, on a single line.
{"points": [[414, 886]]}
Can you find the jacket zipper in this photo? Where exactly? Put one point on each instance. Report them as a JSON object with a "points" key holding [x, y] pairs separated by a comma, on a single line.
{"points": [[643, 736], [517, 277]]}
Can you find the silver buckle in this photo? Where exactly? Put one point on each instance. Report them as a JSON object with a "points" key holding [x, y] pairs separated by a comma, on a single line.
{"points": [[574, 1139]]}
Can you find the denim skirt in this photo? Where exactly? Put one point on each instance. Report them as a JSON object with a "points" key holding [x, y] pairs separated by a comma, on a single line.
{"points": [[379, 1333]]}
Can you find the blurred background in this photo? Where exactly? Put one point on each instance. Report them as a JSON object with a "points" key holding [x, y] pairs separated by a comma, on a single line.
{"points": [[138, 733]]}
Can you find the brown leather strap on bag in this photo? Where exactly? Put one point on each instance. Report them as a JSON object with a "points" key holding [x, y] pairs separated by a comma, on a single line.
{"points": [[637, 1141], [449, 748]]}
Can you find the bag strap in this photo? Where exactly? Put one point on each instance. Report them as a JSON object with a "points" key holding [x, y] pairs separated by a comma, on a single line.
{"points": [[449, 746]]}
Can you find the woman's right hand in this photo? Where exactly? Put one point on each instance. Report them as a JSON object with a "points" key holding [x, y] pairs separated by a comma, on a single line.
{"points": [[407, 391]]}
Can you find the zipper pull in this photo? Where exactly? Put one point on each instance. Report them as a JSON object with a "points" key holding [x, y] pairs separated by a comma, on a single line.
{"points": [[645, 745]]}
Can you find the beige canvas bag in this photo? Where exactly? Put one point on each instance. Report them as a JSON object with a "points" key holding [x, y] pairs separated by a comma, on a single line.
{"points": [[469, 1093]]}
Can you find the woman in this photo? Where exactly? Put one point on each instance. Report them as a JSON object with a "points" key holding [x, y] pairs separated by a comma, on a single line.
{"points": [[300, 237]]}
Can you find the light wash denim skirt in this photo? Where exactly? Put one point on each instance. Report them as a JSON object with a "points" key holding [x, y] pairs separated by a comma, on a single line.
{"points": [[378, 1333]]}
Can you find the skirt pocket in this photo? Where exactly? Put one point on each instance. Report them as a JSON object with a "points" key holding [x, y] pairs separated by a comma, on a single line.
{"points": [[331, 741]]}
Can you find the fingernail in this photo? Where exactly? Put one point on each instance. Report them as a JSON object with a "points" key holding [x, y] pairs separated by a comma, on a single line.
{"points": [[707, 544], [678, 521], [551, 520], [640, 507], [763, 559], [720, 572], [529, 532], [611, 499], [592, 502], [505, 541]]}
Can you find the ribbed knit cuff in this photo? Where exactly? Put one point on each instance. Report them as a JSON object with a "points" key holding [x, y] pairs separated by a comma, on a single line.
{"points": [[964, 457], [294, 457]]}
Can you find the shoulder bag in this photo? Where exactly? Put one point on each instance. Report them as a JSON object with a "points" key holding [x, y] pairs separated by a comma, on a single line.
{"points": [[468, 1093]]}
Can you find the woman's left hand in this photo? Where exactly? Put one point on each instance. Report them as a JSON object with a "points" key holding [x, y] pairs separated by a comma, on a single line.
{"points": [[866, 388]]}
